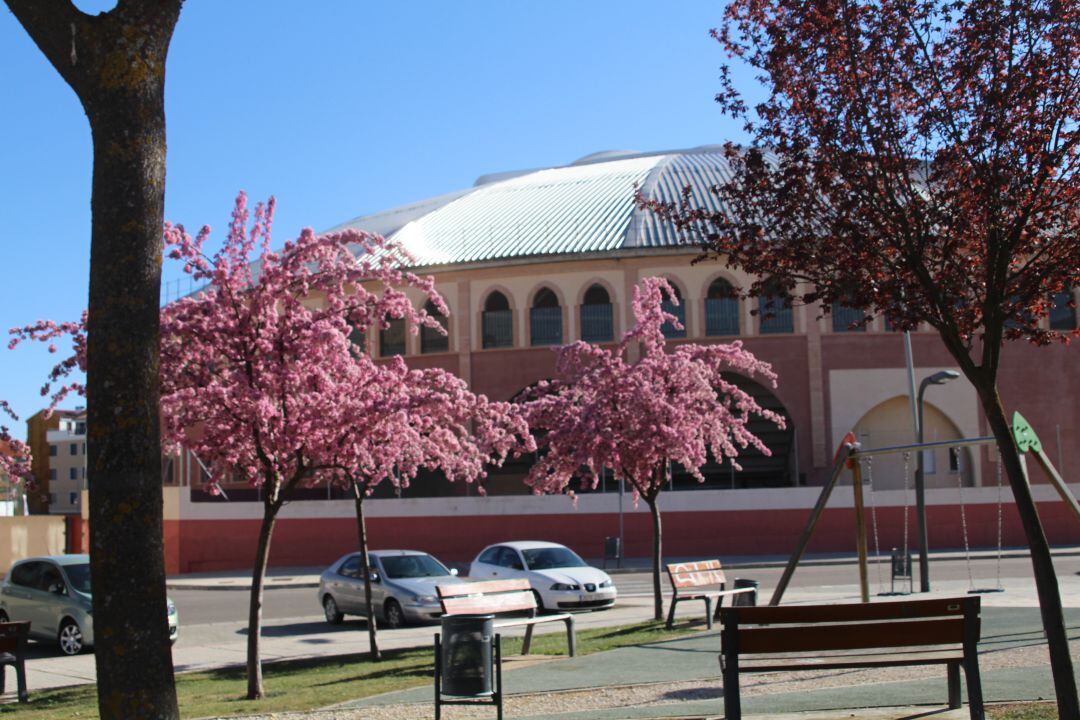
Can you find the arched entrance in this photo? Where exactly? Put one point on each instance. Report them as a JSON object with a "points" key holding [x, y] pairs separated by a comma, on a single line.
{"points": [[889, 423]]}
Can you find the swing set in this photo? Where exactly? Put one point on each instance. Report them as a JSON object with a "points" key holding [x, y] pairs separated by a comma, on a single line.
{"points": [[852, 456]]}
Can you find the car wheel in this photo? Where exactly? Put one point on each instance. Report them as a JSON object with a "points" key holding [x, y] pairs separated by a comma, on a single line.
{"points": [[334, 616], [539, 601], [70, 638], [393, 614]]}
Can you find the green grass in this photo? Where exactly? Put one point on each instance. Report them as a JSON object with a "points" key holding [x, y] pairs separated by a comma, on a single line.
{"points": [[315, 683], [1023, 711]]}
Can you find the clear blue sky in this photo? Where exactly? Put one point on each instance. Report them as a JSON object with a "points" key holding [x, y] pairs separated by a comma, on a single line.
{"points": [[343, 108]]}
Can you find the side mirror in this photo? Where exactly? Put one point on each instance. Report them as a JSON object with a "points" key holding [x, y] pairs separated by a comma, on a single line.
{"points": [[375, 576], [453, 571]]}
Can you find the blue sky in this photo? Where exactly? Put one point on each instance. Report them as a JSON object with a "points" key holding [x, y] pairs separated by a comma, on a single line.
{"points": [[339, 109]]}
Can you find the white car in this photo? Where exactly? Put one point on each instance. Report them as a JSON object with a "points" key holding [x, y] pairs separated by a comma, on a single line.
{"points": [[559, 578]]}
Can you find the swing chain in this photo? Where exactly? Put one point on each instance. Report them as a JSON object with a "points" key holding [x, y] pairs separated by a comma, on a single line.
{"points": [[964, 529], [1000, 523], [873, 520]]}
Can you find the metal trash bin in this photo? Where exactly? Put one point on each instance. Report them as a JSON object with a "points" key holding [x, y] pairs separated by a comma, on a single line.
{"points": [[748, 598], [465, 655], [613, 550]]}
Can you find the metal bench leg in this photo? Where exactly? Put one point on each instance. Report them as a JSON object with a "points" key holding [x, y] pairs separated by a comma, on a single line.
{"points": [[671, 612], [954, 684], [20, 674], [730, 674], [438, 678], [2, 667], [974, 687], [571, 636], [708, 612], [525, 646]]}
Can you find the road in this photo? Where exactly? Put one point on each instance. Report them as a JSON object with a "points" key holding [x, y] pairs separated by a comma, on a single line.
{"points": [[202, 607], [213, 622]]}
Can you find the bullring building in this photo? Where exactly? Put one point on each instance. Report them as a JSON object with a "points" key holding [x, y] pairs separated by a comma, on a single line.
{"points": [[528, 260]]}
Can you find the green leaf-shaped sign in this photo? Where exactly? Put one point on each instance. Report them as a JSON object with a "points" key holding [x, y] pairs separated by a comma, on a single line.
{"points": [[1024, 435]]}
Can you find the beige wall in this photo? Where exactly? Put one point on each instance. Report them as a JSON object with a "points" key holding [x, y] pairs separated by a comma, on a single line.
{"points": [[28, 536]]}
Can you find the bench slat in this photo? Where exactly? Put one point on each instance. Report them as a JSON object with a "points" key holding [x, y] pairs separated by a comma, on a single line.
{"points": [[695, 574], [850, 637], [489, 604], [481, 588], [849, 612], [773, 663]]}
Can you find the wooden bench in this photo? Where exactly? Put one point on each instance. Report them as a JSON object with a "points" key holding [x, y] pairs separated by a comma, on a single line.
{"points": [[502, 597], [688, 580], [13, 637], [941, 631]]}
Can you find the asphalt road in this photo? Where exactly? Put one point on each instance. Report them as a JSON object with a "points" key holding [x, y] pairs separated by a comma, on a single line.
{"points": [[202, 607]]}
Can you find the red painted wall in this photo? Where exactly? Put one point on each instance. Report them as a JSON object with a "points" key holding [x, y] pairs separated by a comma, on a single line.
{"points": [[206, 545]]}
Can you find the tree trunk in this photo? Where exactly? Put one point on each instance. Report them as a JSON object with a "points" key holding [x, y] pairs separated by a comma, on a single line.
{"points": [[115, 63], [262, 554], [1046, 583], [361, 529], [658, 597]]}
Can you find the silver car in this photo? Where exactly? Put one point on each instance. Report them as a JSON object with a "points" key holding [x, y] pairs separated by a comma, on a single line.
{"points": [[53, 593], [402, 587]]}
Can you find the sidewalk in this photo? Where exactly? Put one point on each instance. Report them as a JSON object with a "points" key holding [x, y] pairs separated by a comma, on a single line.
{"points": [[308, 577]]}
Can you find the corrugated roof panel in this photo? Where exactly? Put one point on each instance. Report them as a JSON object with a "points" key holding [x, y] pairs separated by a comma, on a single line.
{"points": [[560, 210]]}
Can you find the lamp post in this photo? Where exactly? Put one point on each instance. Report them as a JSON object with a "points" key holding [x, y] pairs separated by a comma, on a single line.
{"points": [[938, 378]]}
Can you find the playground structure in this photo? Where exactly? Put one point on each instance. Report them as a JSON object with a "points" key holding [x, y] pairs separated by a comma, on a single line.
{"points": [[849, 455]]}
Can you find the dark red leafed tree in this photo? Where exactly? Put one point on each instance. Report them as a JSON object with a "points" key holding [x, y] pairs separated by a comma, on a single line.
{"points": [[636, 417], [115, 63], [917, 159]]}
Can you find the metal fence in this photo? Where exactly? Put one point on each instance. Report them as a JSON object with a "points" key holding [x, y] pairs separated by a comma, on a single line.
{"points": [[498, 328], [596, 323], [775, 316], [679, 311], [844, 318], [721, 316], [433, 341], [545, 325]]}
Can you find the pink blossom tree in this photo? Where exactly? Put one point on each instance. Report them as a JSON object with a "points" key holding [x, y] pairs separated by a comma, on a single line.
{"points": [[403, 421], [258, 377], [604, 410]]}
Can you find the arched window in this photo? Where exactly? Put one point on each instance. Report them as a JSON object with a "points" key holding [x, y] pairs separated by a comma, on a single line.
{"points": [[498, 322], [431, 340], [392, 338], [774, 309], [545, 319], [358, 339], [679, 311], [846, 318], [721, 309], [1062, 316], [596, 316]]}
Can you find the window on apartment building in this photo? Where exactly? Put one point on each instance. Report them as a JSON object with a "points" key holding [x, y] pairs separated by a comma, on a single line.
{"points": [[73, 473], [52, 473], [73, 498], [679, 311], [497, 321], [431, 340], [392, 339], [1062, 315], [74, 448], [774, 310], [596, 316], [545, 319], [84, 448], [52, 451], [80, 428], [721, 309]]}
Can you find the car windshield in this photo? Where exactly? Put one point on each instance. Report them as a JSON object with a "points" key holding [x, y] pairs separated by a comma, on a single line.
{"points": [[413, 566], [549, 558], [79, 577]]}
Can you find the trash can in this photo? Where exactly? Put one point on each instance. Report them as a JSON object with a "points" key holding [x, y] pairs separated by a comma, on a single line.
{"points": [[465, 660], [613, 550], [748, 598]]}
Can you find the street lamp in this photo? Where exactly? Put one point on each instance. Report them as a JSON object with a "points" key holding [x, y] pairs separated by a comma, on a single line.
{"points": [[938, 378]]}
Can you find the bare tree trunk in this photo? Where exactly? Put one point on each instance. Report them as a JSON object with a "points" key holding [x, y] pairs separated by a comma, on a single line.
{"points": [[115, 63], [258, 573], [658, 597], [1046, 583], [361, 528]]}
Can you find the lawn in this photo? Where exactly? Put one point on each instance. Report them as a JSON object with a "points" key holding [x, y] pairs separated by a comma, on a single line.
{"points": [[315, 683]]}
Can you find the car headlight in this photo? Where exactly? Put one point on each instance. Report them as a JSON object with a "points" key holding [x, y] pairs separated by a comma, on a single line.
{"points": [[425, 599], [606, 584], [564, 587], [171, 607]]}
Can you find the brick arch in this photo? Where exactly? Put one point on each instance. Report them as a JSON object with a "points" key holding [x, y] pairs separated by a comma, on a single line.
{"points": [[496, 288], [740, 303], [612, 296], [545, 284]]}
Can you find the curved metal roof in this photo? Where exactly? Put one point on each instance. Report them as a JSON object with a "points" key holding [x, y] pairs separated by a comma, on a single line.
{"points": [[585, 207]]}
